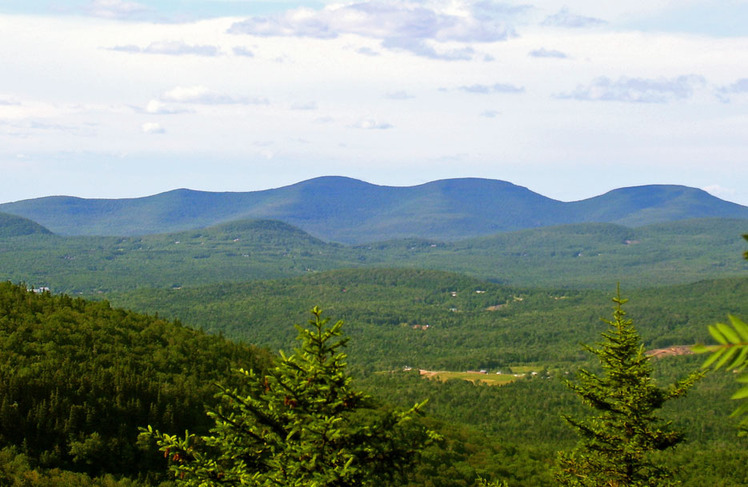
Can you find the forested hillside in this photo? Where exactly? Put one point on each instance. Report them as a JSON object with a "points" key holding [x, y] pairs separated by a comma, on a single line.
{"points": [[77, 379], [436, 320], [587, 255], [14, 226]]}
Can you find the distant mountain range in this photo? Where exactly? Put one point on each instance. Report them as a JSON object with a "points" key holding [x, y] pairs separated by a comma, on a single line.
{"points": [[350, 211]]}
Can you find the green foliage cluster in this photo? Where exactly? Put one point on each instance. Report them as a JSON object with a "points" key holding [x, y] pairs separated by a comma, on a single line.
{"points": [[77, 378], [16, 470], [301, 424]]}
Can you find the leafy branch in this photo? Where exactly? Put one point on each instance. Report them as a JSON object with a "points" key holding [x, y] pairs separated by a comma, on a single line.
{"points": [[732, 350], [730, 353]]}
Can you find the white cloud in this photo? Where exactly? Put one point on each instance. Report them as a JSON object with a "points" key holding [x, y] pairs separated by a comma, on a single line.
{"points": [[636, 90], [171, 48], [424, 48], [116, 9], [406, 25], [371, 124], [31, 127], [737, 88], [490, 114], [566, 18], [157, 107], [243, 51], [204, 96], [367, 51], [495, 88], [304, 106], [549, 53], [399, 95], [152, 128]]}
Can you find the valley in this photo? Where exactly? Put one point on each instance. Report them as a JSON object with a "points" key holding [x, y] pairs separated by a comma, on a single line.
{"points": [[486, 327]]}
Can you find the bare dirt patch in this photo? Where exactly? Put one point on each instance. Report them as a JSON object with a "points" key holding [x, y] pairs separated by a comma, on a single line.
{"points": [[673, 351]]}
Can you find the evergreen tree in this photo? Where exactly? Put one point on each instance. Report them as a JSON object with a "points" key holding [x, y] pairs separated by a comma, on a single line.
{"points": [[618, 443], [302, 424]]}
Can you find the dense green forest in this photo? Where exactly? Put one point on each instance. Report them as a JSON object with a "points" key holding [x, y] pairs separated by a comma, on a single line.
{"points": [[99, 372], [77, 379], [79, 376], [571, 256], [437, 320]]}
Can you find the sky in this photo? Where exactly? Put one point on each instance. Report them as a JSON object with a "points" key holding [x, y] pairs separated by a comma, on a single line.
{"points": [[120, 98]]}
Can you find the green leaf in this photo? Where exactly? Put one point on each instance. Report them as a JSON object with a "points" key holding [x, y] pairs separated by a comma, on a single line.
{"points": [[701, 348], [741, 394], [740, 411], [728, 354], [712, 358], [740, 360], [743, 379], [729, 333], [717, 335], [740, 326]]}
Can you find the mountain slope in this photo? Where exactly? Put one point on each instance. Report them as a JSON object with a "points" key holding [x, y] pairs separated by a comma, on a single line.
{"points": [[645, 205], [351, 211], [77, 379], [14, 226]]}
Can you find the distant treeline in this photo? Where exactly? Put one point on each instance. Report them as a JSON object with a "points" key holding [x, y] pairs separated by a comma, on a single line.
{"points": [[589, 255]]}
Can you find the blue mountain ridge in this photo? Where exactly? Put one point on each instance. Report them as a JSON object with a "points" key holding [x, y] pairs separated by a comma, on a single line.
{"points": [[347, 210]]}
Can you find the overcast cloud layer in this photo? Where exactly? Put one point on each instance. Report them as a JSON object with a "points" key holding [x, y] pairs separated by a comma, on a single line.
{"points": [[115, 98]]}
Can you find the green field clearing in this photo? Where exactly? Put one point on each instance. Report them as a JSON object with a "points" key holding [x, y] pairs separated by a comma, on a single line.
{"points": [[489, 378]]}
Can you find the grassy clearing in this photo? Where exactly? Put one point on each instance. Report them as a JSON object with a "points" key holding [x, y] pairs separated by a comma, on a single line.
{"points": [[490, 378]]}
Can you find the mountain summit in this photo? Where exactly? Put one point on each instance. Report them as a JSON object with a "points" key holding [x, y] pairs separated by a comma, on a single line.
{"points": [[352, 211]]}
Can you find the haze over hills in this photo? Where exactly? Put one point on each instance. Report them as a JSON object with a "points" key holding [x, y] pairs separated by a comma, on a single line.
{"points": [[351, 211]]}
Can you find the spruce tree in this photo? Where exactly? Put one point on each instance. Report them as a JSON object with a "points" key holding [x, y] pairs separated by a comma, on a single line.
{"points": [[302, 424], [618, 442]]}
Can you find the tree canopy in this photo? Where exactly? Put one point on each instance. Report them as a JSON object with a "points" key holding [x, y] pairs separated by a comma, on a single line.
{"points": [[301, 424]]}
